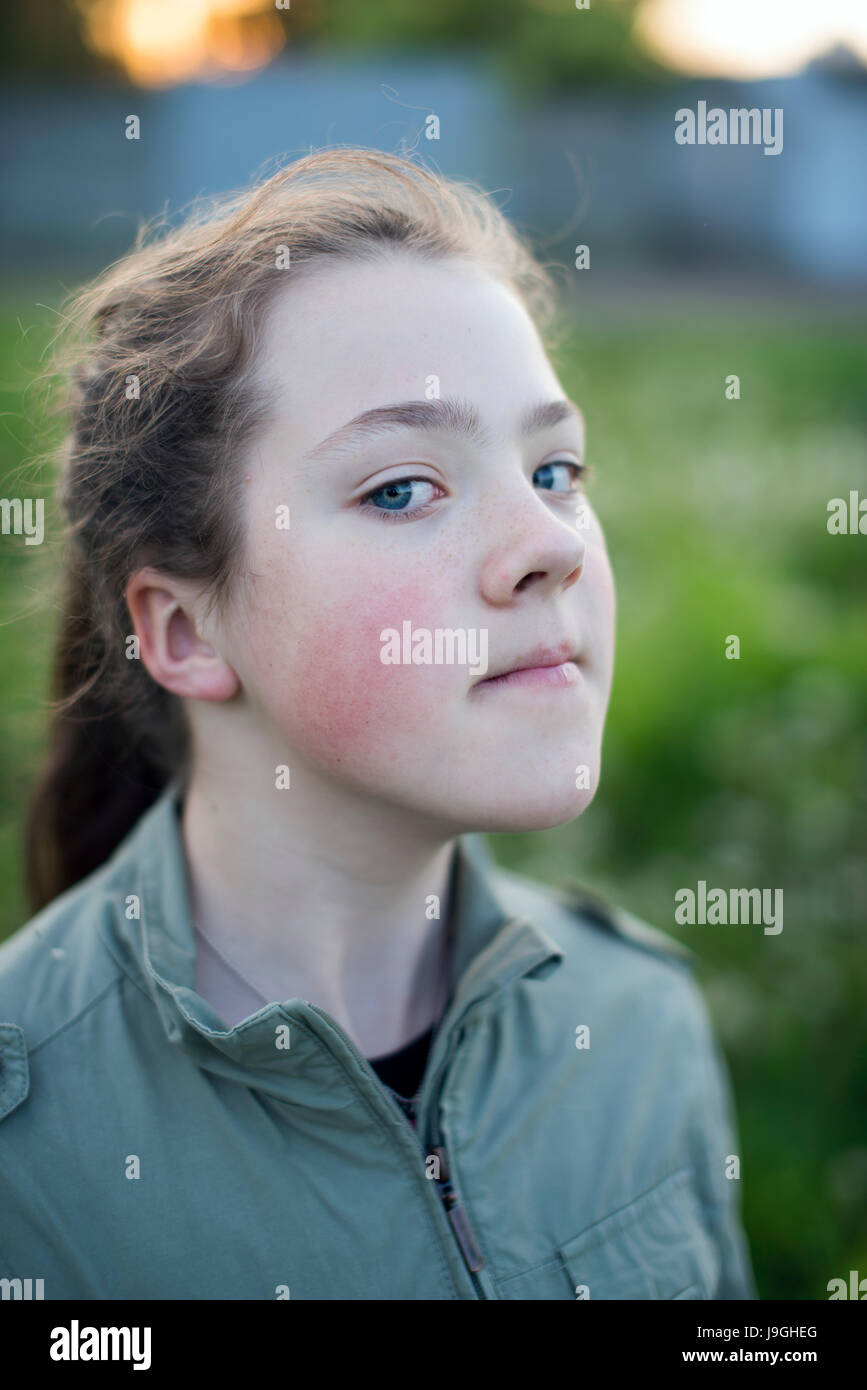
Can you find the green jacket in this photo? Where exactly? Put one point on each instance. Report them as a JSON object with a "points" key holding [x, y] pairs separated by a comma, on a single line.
{"points": [[147, 1152]]}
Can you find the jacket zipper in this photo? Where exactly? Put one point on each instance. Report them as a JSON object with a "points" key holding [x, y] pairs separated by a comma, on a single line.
{"points": [[473, 1257], [460, 1222], [456, 1213]]}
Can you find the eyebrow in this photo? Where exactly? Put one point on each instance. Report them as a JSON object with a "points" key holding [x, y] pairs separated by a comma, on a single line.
{"points": [[449, 416]]}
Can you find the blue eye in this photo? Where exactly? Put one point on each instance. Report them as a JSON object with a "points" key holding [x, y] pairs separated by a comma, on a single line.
{"points": [[394, 498], [544, 475]]}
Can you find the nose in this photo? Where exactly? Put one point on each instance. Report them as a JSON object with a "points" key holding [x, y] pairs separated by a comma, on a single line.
{"points": [[536, 549]]}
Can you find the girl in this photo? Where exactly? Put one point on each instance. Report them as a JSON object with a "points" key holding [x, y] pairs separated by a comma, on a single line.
{"points": [[336, 601]]}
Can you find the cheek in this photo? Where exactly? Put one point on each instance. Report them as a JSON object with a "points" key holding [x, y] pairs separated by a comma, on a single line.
{"points": [[597, 593], [342, 705]]}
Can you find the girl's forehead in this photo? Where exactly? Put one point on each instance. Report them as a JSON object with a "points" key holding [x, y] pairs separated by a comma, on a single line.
{"points": [[361, 337], [338, 306]]}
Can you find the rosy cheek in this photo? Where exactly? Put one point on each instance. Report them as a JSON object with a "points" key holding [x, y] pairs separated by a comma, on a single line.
{"points": [[344, 705]]}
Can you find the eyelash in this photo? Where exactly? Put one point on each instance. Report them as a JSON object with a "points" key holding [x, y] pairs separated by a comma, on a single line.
{"points": [[582, 471]]}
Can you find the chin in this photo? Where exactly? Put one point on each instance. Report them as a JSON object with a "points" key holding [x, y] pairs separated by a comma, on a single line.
{"points": [[514, 812]]}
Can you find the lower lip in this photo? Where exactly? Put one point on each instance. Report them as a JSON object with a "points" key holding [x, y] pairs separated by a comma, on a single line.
{"points": [[535, 678]]}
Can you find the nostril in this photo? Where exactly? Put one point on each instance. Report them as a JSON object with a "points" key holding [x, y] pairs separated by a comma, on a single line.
{"points": [[522, 583]]}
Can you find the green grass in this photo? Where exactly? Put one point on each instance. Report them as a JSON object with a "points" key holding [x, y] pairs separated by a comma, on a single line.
{"points": [[742, 773]]}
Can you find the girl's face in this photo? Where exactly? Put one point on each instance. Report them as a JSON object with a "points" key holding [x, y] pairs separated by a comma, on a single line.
{"points": [[458, 510]]}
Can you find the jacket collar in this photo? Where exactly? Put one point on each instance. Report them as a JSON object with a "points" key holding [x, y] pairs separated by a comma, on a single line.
{"points": [[150, 933]]}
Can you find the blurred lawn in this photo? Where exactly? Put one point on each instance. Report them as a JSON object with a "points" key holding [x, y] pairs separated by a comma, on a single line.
{"points": [[747, 773]]}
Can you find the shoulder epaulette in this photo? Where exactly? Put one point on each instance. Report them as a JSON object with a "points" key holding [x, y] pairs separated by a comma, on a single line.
{"points": [[14, 1068], [618, 920]]}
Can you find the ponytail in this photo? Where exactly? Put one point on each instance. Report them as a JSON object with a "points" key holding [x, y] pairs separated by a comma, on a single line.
{"points": [[102, 771]]}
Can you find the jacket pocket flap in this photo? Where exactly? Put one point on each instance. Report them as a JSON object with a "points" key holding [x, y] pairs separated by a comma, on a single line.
{"points": [[656, 1246]]}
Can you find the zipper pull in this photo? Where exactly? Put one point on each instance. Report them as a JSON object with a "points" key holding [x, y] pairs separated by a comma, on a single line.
{"points": [[473, 1257]]}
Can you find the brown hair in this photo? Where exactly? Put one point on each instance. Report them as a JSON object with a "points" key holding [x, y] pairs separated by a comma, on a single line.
{"points": [[157, 359]]}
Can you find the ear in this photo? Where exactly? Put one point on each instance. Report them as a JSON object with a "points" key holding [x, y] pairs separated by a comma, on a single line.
{"points": [[163, 616]]}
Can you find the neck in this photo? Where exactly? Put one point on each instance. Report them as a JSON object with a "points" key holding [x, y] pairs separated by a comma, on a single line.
{"points": [[323, 898]]}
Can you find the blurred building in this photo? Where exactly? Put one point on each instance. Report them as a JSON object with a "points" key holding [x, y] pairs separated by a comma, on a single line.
{"points": [[594, 167]]}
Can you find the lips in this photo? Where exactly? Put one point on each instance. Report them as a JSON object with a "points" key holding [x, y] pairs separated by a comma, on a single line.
{"points": [[539, 657]]}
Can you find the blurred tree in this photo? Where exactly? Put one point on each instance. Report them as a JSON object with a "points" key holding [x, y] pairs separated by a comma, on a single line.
{"points": [[46, 38], [537, 45]]}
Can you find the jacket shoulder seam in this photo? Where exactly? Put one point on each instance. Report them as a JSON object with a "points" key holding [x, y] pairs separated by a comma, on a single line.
{"points": [[575, 899], [76, 1017]]}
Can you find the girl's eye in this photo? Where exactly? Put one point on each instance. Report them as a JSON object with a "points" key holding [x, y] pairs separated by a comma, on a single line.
{"points": [[548, 475], [394, 498]]}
